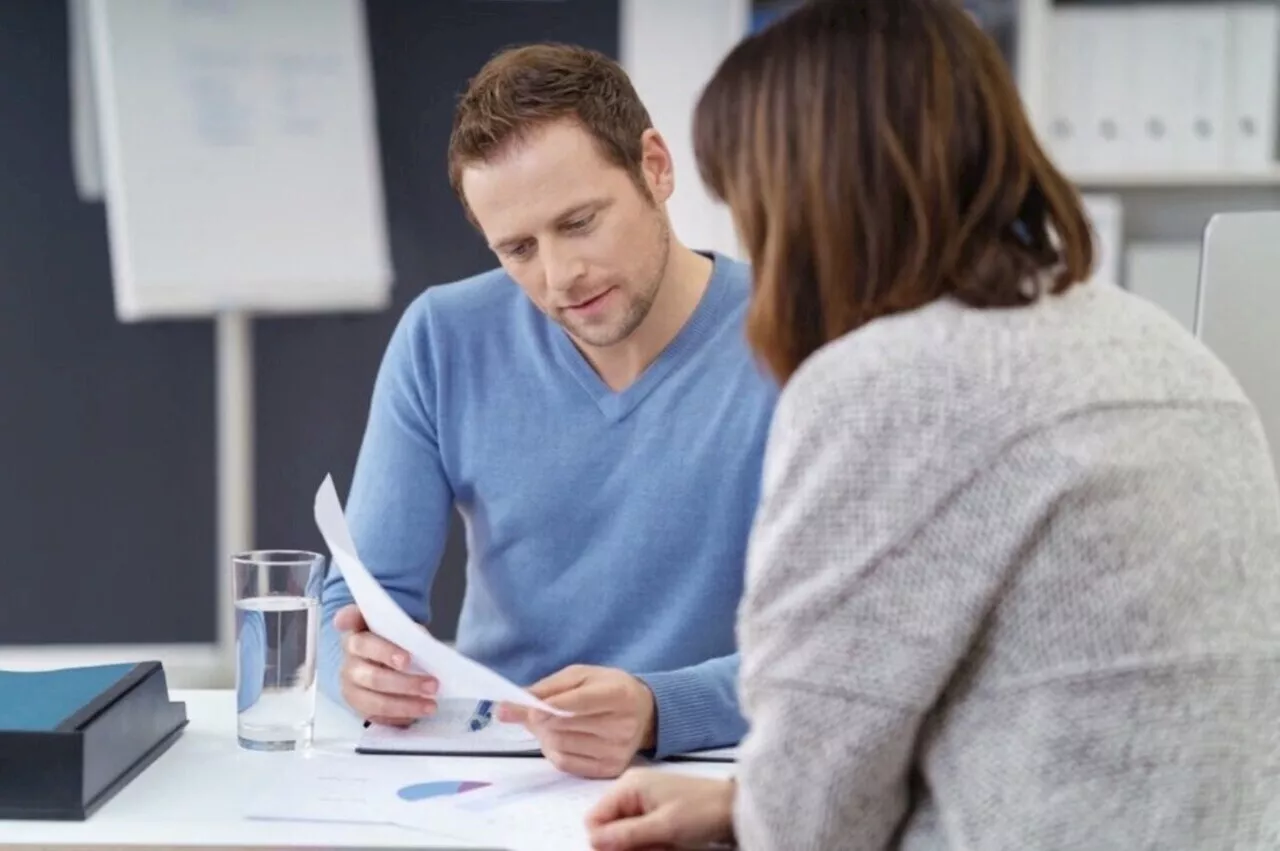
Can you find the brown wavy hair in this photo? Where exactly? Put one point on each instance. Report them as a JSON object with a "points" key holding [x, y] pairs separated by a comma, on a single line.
{"points": [[876, 156]]}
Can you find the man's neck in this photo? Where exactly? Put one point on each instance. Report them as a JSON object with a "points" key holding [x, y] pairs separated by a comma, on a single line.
{"points": [[683, 283]]}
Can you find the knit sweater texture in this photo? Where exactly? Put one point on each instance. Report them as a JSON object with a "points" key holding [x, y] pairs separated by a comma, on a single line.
{"points": [[1014, 583]]}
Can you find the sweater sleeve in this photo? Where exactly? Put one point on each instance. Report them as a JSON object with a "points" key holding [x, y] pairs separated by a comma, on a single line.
{"points": [[400, 500], [857, 610], [697, 706]]}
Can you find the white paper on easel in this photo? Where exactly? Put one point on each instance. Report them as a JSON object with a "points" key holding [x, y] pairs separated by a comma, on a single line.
{"points": [[235, 143], [460, 677]]}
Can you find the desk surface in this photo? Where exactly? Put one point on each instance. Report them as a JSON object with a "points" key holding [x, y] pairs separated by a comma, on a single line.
{"points": [[192, 796]]}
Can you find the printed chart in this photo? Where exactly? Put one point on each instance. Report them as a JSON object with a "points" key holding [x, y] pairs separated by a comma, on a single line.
{"points": [[438, 789]]}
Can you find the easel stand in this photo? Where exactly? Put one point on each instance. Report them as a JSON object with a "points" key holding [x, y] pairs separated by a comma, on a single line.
{"points": [[235, 394]]}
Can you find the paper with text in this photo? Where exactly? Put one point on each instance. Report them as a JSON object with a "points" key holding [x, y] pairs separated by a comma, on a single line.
{"points": [[514, 804], [405, 792], [460, 677]]}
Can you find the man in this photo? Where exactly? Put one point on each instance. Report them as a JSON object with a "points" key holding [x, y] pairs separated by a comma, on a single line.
{"points": [[592, 410]]}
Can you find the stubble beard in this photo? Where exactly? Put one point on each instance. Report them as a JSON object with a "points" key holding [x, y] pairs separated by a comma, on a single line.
{"points": [[639, 303]]}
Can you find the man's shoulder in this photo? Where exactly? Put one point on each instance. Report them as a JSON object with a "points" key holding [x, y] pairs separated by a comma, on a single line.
{"points": [[468, 317], [486, 293]]}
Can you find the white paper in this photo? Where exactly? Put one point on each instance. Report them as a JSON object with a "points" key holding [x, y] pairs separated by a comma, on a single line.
{"points": [[251, 124], [448, 731], [460, 677], [540, 810], [515, 804], [545, 811], [406, 792]]}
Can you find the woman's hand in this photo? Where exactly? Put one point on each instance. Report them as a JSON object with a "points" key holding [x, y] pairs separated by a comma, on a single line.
{"points": [[648, 809]]}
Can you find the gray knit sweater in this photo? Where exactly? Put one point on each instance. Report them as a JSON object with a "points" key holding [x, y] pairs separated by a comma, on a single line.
{"points": [[1014, 585]]}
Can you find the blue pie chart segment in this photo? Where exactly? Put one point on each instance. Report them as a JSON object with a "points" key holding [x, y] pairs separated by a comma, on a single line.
{"points": [[438, 789]]}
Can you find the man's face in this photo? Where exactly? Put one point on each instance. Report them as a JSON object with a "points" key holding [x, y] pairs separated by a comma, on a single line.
{"points": [[574, 230]]}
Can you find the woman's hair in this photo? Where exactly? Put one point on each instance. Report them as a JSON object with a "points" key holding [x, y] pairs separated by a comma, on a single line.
{"points": [[875, 156]]}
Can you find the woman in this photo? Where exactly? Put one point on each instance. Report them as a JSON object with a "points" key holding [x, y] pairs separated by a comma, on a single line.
{"points": [[1015, 577]]}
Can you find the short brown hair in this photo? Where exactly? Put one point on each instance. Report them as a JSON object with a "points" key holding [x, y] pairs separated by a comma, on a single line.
{"points": [[523, 88], [876, 157]]}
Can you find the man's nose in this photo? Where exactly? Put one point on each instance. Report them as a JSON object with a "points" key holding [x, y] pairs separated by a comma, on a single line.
{"points": [[563, 269]]}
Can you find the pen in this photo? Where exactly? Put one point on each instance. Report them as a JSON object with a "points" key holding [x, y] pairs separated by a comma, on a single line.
{"points": [[482, 716]]}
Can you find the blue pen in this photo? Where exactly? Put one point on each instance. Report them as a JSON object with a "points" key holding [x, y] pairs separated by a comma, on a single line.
{"points": [[482, 716]]}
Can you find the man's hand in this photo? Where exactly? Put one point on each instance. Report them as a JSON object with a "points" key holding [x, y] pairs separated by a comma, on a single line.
{"points": [[375, 679], [614, 717]]}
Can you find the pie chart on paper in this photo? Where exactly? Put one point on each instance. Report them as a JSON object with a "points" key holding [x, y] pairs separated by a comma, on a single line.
{"points": [[438, 789]]}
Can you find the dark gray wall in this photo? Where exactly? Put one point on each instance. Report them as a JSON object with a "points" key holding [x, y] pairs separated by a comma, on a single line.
{"points": [[106, 467], [106, 431]]}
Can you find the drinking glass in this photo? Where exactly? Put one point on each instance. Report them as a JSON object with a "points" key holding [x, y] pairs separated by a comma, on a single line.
{"points": [[277, 602]]}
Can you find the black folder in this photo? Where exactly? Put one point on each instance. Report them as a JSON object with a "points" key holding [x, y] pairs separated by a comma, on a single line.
{"points": [[71, 739]]}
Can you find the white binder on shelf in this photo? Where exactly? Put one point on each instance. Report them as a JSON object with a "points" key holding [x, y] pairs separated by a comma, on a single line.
{"points": [[1160, 90], [1199, 134], [1253, 85], [1069, 92], [1111, 135], [239, 156]]}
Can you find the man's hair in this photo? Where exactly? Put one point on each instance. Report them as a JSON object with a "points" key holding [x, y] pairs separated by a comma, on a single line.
{"points": [[876, 157], [524, 88]]}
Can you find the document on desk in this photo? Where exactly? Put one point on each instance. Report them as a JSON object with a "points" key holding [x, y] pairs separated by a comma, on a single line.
{"points": [[353, 790], [546, 810], [543, 809], [449, 732], [460, 677], [512, 804]]}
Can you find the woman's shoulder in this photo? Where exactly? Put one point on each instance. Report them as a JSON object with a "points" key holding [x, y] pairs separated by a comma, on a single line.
{"points": [[922, 357], [1092, 345]]}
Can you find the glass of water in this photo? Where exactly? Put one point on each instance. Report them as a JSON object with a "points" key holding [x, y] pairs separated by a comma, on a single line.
{"points": [[277, 600]]}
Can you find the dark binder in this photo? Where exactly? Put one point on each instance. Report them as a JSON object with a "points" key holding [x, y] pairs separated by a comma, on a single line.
{"points": [[71, 739]]}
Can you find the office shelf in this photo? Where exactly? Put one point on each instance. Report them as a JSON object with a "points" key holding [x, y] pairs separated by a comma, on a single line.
{"points": [[1174, 179]]}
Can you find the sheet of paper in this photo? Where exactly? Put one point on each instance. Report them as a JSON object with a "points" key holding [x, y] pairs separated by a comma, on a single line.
{"points": [[419, 795], [460, 677], [449, 731], [544, 811], [515, 804]]}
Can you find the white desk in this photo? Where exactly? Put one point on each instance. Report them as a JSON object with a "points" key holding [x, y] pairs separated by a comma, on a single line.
{"points": [[192, 795]]}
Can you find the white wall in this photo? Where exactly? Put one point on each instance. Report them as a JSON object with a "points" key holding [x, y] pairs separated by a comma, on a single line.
{"points": [[670, 48]]}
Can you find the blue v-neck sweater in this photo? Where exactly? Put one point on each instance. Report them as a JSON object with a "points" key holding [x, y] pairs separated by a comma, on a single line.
{"points": [[604, 528]]}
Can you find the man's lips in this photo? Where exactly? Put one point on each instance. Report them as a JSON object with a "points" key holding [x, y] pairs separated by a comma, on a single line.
{"points": [[589, 302]]}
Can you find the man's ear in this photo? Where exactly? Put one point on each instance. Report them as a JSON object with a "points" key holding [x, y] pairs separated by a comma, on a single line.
{"points": [[657, 166]]}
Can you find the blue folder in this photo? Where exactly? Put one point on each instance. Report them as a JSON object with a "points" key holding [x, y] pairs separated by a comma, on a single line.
{"points": [[71, 738], [47, 701]]}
